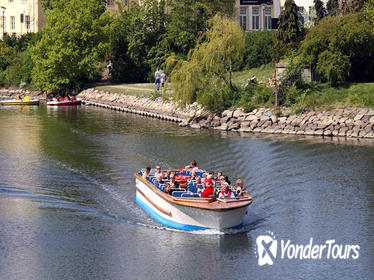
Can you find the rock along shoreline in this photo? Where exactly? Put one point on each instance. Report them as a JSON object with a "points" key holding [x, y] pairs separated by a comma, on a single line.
{"points": [[349, 122]]}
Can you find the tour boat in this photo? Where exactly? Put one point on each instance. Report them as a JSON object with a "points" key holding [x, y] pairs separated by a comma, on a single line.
{"points": [[186, 210], [19, 102], [78, 101]]}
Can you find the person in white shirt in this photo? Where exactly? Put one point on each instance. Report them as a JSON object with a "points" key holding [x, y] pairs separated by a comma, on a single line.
{"points": [[226, 192]]}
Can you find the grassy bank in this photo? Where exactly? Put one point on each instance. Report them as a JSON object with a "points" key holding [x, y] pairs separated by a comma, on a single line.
{"points": [[140, 89], [353, 95], [317, 96], [262, 73]]}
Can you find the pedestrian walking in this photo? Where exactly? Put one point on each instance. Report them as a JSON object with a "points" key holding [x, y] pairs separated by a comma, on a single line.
{"points": [[162, 78], [157, 79]]}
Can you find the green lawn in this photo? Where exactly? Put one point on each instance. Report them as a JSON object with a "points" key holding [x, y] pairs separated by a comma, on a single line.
{"points": [[262, 73], [318, 96], [142, 90], [322, 95]]}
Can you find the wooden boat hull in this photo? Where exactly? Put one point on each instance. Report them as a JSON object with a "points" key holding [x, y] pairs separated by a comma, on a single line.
{"points": [[191, 213], [64, 103], [19, 102]]}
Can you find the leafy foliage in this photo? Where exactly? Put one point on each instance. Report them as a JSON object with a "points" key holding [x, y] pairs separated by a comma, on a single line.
{"points": [[258, 48], [15, 60], [134, 36], [189, 19], [341, 49], [320, 10], [206, 74], [332, 7], [290, 84], [289, 32], [73, 41], [369, 10]]}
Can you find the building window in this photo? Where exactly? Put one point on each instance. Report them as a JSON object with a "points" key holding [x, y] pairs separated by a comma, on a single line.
{"points": [[255, 18], [243, 17], [27, 19], [11, 1], [267, 24], [24, 2], [110, 2], [12, 23]]}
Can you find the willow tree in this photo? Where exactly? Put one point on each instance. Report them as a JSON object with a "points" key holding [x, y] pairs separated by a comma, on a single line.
{"points": [[206, 74]]}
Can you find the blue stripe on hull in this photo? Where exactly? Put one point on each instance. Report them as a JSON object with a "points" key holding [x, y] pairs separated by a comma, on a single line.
{"points": [[167, 222], [170, 223]]}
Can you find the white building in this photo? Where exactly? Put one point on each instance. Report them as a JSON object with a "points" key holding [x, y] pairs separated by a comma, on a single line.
{"points": [[258, 14], [20, 16]]}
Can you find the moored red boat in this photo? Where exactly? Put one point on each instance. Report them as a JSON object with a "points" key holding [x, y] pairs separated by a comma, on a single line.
{"points": [[78, 101], [185, 210]]}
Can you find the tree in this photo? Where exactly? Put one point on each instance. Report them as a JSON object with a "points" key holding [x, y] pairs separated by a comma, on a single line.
{"points": [[356, 5], [134, 36], [332, 7], [320, 10], [289, 33], [73, 43], [341, 49], [258, 48], [188, 21], [369, 11], [206, 75]]}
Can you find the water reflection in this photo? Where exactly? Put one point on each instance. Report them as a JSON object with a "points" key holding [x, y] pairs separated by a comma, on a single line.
{"points": [[68, 208]]}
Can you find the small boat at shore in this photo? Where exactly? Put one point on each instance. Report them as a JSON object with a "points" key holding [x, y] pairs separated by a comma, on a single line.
{"points": [[27, 100], [77, 101], [186, 210]]}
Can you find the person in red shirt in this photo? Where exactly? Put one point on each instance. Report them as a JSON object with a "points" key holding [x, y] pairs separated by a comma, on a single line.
{"points": [[209, 190]]}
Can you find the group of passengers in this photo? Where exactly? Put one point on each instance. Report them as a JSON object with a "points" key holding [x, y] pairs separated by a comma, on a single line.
{"points": [[68, 97], [207, 185]]}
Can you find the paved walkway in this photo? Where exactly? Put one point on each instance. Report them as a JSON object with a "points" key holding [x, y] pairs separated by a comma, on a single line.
{"points": [[131, 88]]}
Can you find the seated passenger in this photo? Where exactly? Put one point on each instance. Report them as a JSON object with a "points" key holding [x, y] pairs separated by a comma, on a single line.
{"points": [[66, 98], [167, 175], [226, 192], [173, 183], [219, 175], [240, 188], [168, 189], [60, 98], [192, 166], [158, 170], [226, 179], [159, 178], [199, 185], [209, 190], [146, 172]]}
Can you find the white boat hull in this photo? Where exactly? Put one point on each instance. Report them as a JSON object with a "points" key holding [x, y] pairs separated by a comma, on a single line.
{"points": [[185, 217]]}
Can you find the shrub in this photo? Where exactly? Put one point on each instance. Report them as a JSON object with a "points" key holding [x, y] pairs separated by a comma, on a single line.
{"points": [[341, 49], [258, 48]]}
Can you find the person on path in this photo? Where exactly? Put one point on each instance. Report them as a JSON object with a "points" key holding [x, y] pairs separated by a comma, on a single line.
{"points": [[157, 79], [162, 78]]}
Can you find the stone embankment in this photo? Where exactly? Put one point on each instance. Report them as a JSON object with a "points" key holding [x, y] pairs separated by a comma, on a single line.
{"points": [[12, 93], [165, 110], [351, 122]]}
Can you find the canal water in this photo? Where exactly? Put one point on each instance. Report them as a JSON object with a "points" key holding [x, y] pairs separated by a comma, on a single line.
{"points": [[68, 211]]}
